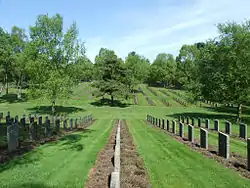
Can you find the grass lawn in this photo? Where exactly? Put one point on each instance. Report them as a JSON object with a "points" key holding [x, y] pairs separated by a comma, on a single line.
{"points": [[155, 99], [142, 100], [65, 163], [172, 164], [168, 98], [236, 146], [169, 163]]}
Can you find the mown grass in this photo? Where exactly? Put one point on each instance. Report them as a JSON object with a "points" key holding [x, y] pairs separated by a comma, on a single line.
{"points": [[65, 163], [168, 98], [141, 100], [160, 152], [155, 99], [236, 146], [172, 164]]}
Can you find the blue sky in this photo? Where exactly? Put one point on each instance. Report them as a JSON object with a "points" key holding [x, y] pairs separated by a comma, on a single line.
{"points": [[148, 27]]}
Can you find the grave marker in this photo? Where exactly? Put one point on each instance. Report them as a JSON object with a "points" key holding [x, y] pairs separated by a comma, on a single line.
{"points": [[71, 123], [207, 124], [224, 145], [65, 124], [83, 121], [243, 130], [190, 133], [57, 125], [227, 127], [181, 129], [34, 131], [174, 126], [40, 121], [76, 123], [203, 138], [216, 125], [192, 119], [47, 130], [12, 138], [199, 122], [168, 124], [23, 122], [80, 121]]}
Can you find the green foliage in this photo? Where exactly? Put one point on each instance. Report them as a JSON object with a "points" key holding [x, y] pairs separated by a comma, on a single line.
{"points": [[110, 75], [54, 55], [83, 69], [137, 68], [163, 69], [219, 69], [7, 56], [52, 61]]}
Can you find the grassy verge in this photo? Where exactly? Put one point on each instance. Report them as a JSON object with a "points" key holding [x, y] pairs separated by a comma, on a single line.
{"points": [[172, 164], [155, 99], [65, 163]]}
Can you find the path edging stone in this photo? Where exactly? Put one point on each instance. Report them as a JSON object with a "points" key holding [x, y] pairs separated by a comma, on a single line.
{"points": [[115, 176]]}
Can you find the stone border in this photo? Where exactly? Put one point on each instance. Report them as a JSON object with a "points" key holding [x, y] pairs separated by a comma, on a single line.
{"points": [[115, 176]]}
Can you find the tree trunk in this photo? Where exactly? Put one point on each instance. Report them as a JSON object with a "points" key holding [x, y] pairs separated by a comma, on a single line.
{"points": [[239, 112], [53, 104], [7, 85], [112, 100], [19, 87]]}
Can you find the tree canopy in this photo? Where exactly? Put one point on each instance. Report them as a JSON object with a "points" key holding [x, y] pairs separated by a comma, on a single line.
{"points": [[50, 61]]}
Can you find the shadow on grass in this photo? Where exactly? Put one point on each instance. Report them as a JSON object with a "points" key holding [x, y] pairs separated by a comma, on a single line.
{"points": [[229, 110], [71, 142], [29, 158], [232, 112], [196, 115], [136, 91], [12, 98], [30, 185], [68, 142], [59, 109], [107, 102]]}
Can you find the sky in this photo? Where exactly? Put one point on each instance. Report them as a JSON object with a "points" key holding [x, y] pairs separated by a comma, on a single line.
{"points": [[148, 27]]}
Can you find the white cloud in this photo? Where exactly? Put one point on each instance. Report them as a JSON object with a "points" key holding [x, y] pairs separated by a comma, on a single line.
{"points": [[168, 27]]}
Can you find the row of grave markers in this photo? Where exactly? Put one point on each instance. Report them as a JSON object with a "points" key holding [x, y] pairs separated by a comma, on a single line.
{"points": [[228, 125], [35, 124], [223, 139]]}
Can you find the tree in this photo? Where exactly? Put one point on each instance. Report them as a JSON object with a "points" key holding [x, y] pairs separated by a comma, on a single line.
{"points": [[163, 69], [83, 69], [110, 75], [19, 41], [218, 69], [187, 64], [227, 61], [137, 68], [6, 56], [52, 53]]}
